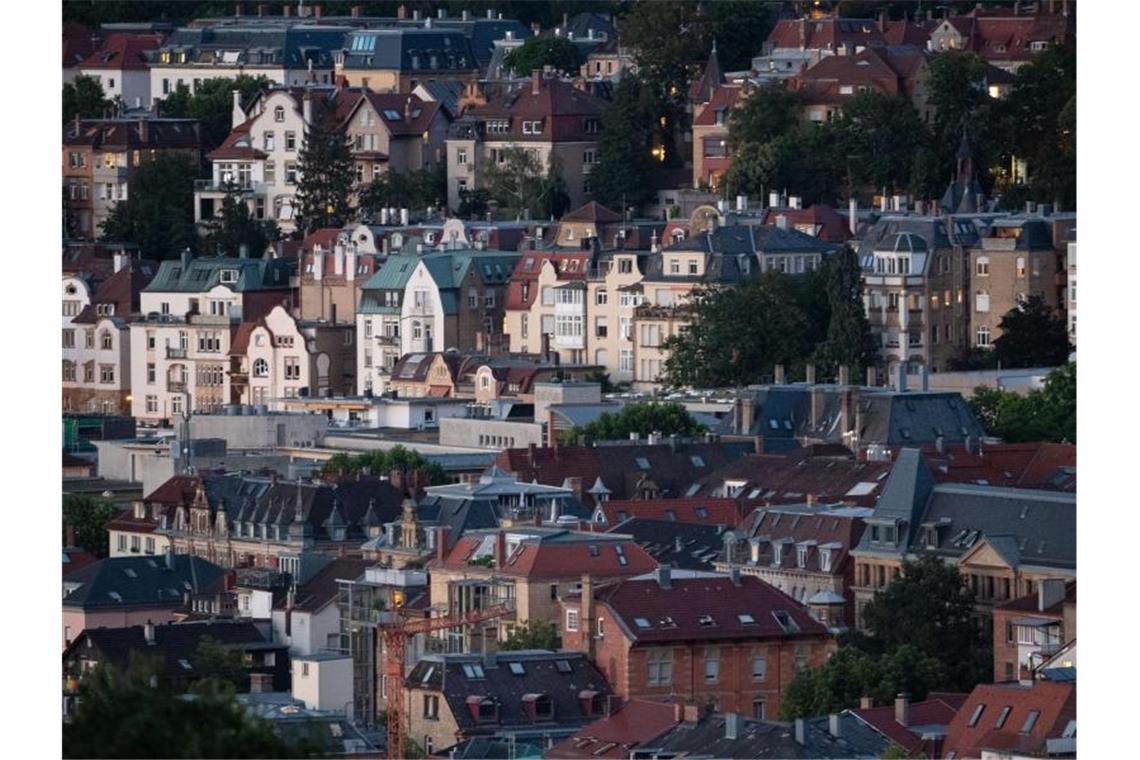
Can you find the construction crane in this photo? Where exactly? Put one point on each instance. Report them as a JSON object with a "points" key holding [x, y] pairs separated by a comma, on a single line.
{"points": [[396, 635]]}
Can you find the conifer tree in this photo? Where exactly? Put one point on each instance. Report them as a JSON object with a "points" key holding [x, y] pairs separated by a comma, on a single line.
{"points": [[327, 173]]}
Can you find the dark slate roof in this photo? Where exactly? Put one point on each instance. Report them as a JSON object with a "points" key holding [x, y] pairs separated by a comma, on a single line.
{"points": [[542, 674], [410, 50], [292, 47], [682, 545], [122, 582], [939, 233], [769, 739], [203, 274], [319, 591], [1036, 234], [173, 642], [446, 92]]}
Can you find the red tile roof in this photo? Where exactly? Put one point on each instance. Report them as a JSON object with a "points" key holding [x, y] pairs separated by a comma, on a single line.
{"points": [[938, 709], [239, 344], [1046, 466], [568, 266], [1029, 603], [75, 559], [592, 212], [123, 52], [179, 489], [906, 32], [78, 42], [827, 33], [826, 222], [635, 723], [1056, 704], [723, 98], [717, 511], [560, 106], [415, 115], [677, 612], [824, 82], [534, 558], [237, 145], [121, 290], [792, 478]]}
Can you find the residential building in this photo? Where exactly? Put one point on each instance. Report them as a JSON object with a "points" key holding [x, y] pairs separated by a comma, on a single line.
{"points": [[121, 67], [1030, 630], [1002, 36], [98, 155], [1071, 291], [613, 293], [78, 43], [395, 132], [825, 87], [136, 530], [549, 117], [804, 551], [126, 591], [1014, 259], [818, 220], [685, 546], [289, 55], [96, 337], [535, 566], [1005, 542], [189, 313], [378, 323], [1013, 720], [444, 374], [799, 43], [534, 696], [712, 152], [332, 268], [628, 470], [609, 61], [733, 642], [622, 730], [397, 60], [308, 618], [578, 229], [241, 520], [917, 728], [546, 305], [819, 474], [279, 357], [609, 513]]}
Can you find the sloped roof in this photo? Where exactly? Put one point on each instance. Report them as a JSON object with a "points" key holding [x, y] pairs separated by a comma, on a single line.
{"points": [[681, 545], [123, 51], [634, 724], [204, 273], [120, 290], [1055, 703], [677, 612], [827, 477], [560, 554], [702, 511], [721, 98], [769, 739], [816, 529], [592, 211], [413, 115], [122, 134], [425, 52], [321, 590], [827, 33], [938, 709], [140, 582], [829, 225]]}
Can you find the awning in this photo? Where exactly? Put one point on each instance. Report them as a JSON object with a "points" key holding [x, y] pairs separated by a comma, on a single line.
{"points": [[1036, 622]]}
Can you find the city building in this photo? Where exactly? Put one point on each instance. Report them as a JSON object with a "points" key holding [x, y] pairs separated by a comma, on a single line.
{"points": [[819, 474], [333, 266], [308, 618], [1003, 36], [397, 60], [395, 132], [189, 314], [621, 731], [1014, 720], [1030, 630], [734, 642], [683, 545], [121, 67], [546, 305], [917, 728], [550, 117]]}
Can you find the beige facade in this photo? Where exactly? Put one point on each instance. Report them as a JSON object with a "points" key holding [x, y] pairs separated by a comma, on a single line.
{"points": [[1004, 272], [613, 293], [390, 136]]}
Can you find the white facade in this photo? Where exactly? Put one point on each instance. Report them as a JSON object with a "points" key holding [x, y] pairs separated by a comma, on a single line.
{"points": [[377, 351], [279, 362], [421, 315], [164, 79], [132, 85], [308, 632], [324, 682]]}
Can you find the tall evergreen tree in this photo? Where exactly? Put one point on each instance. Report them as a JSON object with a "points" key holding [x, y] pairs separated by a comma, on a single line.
{"points": [[327, 172], [624, 162], [158, 214], [849, 340], [1032, 335], [235, 226]]}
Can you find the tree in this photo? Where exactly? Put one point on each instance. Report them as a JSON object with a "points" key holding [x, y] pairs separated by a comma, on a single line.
{"points": [[413, 189], [211, 104], [1049, 414], [84, 98], [1032, 335], [121, 714], [849, 341], [87, 516], [326, 171], [533, 635], [766, 114], [719, 349], [213, 660], [667, 418], [930, 609], [881, 135], [398, 458], [235, 226], [519, 184], [737, 25], [620, 178], [158, 215], [539, 52], [956, 83]]}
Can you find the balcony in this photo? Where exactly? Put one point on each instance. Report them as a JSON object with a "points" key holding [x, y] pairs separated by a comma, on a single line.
{"points": [[175, 353], [174, 386], [999, 244], [210, 186], [386, 340], [220, 320]]}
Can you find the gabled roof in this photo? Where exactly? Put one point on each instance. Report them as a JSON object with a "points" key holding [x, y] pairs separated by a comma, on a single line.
{"points": [[238, 144], [1029, 602], [707, 737], [827, 33], [416, 50], [681, 545], [122, 134], [204, 273], [120, 290], [721, 98], [123, 51], [634, 724], [701, 511], [938, 709], [1054, 703], [815, 530], [706, 609], [559, 554], [402, 115], [321, 590], [592, 211], [827, 223], [140, 582]]}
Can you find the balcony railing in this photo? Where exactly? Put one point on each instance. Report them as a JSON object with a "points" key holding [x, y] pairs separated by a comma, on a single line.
{"points": [[175, 386], [210, 186], [215, 319], [175, 353], [387, 340]]}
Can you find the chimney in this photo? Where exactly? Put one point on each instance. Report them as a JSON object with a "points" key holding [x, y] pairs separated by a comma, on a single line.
{"points": [[402, 12], [287, 11], [865, 703], [734, 572], [535, 82], [872, 377], [852, 214], [900, 377], [665, 576], [833, 725], [778, 377], [968, 444], [169, 557], [500, 550], [415, 14], [260, 683], [317, 11], [148, 632], [307, 106], [261, 8], [692, 713], [144, 132], [441, 543], [809, 374], [758, 445], [844, 375], [1049, 592], [747, 411], [69, 536], [396, 478], [731, 725], [923, 379], [781, 222], [239, 9], [800, 739], [940, 444], [354, 11], [121, 258], [229, 580], [883, 201], [902, 709]]}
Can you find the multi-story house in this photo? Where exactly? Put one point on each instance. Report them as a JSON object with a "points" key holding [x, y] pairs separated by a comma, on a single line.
{"points": [[542, 696], [332, 269], [534, 566], [712, 152], [378, 323], [546, 304], [1029, 632], [399, 59], [443, 374], [395, 132], [1005, 541], [828, 85], [797, 44], [1016, 721], [1014, 258], [261, 155], [278, 357], [590, 223], [613, 293], [732, 641], [455, 299], [1003, 38], [916, 283], [99, 153], [550, 117], [180, 344], [96, 338], [287, 55], [121, 67]]}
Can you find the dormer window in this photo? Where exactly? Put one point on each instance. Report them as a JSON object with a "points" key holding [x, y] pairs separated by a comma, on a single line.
{"points": [[532, 127], [825, 560], [228, 276], [801, 556]]}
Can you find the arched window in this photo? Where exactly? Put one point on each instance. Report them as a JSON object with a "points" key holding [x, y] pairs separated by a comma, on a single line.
{"points": [[261, 368]]}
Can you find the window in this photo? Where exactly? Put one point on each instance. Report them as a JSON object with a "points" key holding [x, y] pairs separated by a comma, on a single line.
{"points": [[69, 372], [659, 670], [759, 664], [1020, 266], [461, 156], [976, 715], [1002, 716], [122, 542], [802, 651], [489, 300], [149, 545], [982, 302], [69, 338], [600, 327], [279, 114], [571, 620], [261, 368], [712, 665], [982, 266], [89, 338], [758, 708], [1030, 721], [292, 368], [589, 157], [601, 628], [152, 404], [983, 336], [625, 360], [693, 266], [106, 373], [70, 308], [290, 173], [431, 706], [532, 127], [625, 266]]}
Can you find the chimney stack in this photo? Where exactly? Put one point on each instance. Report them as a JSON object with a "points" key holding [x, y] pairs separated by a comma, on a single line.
{"points": [[800, 737], [287, 11], [833, 725], [535, 81], [441, 543], [778, 376], [809, 374], [69, 536], [148, 632], [852, 215], [902, 710], [731, 725], [844, 375], [170, 557], [665, 576], [260, 683], [865, 703], [872, 377], [500, 550], [758, 445]]}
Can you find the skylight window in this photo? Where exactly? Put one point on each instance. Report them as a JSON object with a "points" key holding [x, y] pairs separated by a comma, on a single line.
{"points": [[977, 714], [115, 595], [185, 664], [702, 512], [706, 621], [746, 618], [1002, 716], [473, 670], [641, 622], [784, 620], [391, 115], [428, 674], [697, 461], [517, 668], [642, 463], [562, 666]]}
